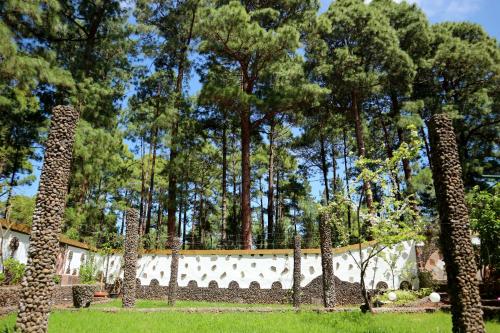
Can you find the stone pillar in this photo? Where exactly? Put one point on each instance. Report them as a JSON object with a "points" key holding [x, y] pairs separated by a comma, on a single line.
{"points": [[455, 235], [37, 285], [175, 245], [297, 276], [130, 258], [325, 234]]}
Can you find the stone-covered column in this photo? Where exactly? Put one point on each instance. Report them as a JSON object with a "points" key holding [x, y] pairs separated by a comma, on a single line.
{"points": [[297, 275], [455, 234], [130, 258], [325, 234], [38, 285], [175, 245]]}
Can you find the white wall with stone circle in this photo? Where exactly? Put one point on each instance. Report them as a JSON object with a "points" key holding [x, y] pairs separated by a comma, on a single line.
{"points": [[265, 269]]}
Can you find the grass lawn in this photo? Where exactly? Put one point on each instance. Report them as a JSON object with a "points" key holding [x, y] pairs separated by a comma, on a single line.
{"points": [[95, 321], [145, 304]]}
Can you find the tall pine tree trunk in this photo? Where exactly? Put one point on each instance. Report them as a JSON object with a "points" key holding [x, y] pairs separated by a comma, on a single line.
{"points": [[122, 227], [406, 163], [172, 176], [224, 182], [427, 146], [184, 219], [347, 181], [246, 213], [200, 218], [334, 169], [262, 225], [143, 185], [234, 203], [360, 140], [181, 207], [172, 193], [278, 209], [158, 222], [324, 166], [270, 188], [193, 218], [152, 179], [8, 204], [390, 154]]}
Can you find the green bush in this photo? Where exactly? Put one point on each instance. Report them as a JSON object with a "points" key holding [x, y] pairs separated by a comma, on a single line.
{"points": [[56, 279], [13, 271], [88, 271], [424, 292], [2, 278], [403, 297], [426, 280]]}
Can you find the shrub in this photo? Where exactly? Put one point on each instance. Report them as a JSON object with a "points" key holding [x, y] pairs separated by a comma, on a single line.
{"points": [[13, 271], [403, 297], [424, 292], [88, 271], [426, 280], [2, 278], [56, 279]]}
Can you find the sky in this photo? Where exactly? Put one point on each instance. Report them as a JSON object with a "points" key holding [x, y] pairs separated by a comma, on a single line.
{"points": [[484, 12]]}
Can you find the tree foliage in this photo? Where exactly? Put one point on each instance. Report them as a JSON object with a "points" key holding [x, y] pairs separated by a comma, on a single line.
{"points": [[237, 124]]}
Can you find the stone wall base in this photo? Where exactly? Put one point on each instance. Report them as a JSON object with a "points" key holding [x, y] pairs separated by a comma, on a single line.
{"points": [[346, 293], [9, 296]]}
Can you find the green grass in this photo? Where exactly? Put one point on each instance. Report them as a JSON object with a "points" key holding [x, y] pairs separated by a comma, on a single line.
{"points": [[92, 320], [145, 304]]}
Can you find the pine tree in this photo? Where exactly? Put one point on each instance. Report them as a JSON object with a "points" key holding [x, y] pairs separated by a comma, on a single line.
{"points": [[356, 52]]}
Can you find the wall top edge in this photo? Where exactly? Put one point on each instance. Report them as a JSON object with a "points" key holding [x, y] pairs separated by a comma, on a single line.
{"points": [[23, 228]]}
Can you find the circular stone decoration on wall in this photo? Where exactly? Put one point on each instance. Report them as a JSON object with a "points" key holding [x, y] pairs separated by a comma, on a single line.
{"points": [[382, 285], [13, 245], [405, 285]]}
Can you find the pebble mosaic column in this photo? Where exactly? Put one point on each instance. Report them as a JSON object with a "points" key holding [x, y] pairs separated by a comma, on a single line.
{"points": [[297, 275], [38, 285], [455, 235], [174, 271], [130, 258], [325, 233]]}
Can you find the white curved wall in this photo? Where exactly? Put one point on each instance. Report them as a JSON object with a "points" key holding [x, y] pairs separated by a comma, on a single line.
{"points": [[267, 269], [244, 269]]}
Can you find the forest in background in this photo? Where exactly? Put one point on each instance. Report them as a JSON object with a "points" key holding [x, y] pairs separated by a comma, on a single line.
{"points": [[287, 96]]}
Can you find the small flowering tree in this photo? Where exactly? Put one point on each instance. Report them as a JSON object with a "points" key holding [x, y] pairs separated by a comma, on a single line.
{"points": [[391, 259], [394, 220]]}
